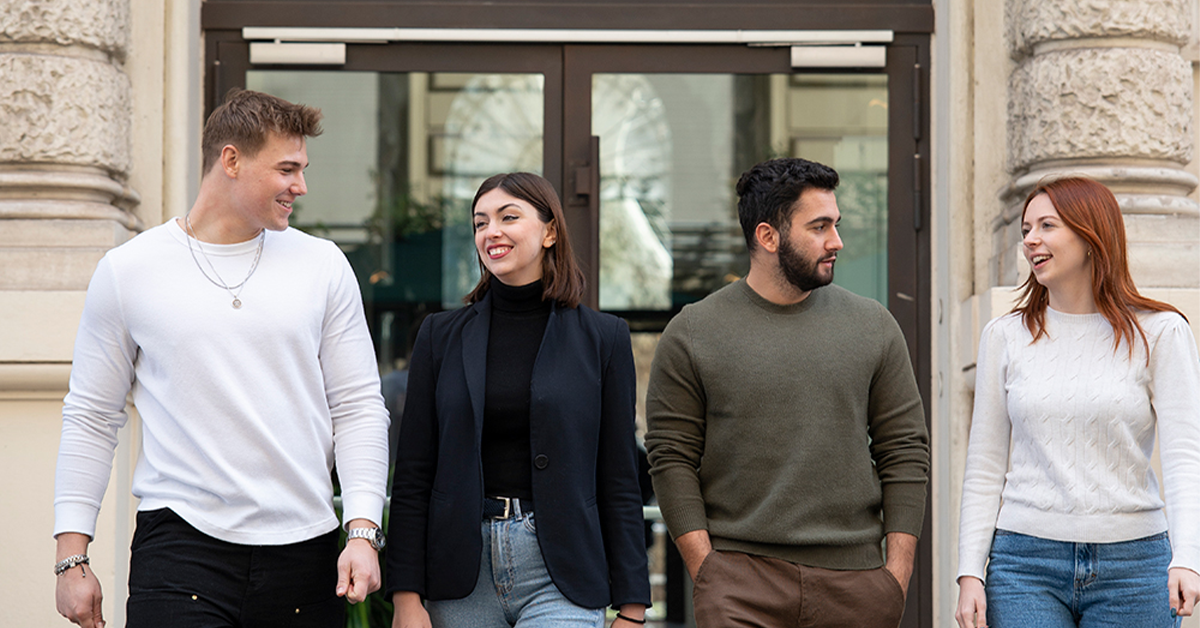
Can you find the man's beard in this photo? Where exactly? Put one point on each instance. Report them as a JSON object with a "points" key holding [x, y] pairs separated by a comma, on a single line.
{"points": [[804, 274]]}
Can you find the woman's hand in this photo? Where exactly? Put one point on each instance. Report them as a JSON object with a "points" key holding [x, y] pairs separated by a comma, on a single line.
{"points": [[972, 603], [410, 612], [1184, 587]]}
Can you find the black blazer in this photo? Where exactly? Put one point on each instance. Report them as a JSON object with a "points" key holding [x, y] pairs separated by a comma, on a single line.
{"points": [[585, 487]]}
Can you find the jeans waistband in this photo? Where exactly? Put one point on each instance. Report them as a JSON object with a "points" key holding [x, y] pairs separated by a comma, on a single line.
{"points": [[506, 507]]}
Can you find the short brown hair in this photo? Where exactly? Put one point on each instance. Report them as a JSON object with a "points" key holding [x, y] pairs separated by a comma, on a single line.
{"points": [[561, 276], [247, 117]]}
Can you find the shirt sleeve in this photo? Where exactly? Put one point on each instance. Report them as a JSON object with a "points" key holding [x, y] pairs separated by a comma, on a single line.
{"points": [[899, 438], [1175, 397], [987, 454], [676, 415], [360, 419], [102, 374]]}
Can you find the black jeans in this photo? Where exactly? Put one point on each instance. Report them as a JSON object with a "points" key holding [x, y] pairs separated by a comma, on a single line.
{"points": [[182, 578]]}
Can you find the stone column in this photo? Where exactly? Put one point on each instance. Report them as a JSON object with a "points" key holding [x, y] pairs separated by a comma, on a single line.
{"points": [[1101, 89], [66, 117], [64, 141]]}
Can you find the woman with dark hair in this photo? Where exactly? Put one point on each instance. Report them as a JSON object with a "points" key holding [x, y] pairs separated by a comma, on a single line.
{"points": [[1059, 498], [516, 498]]}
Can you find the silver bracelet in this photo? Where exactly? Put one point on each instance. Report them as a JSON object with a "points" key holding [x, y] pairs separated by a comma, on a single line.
{"points": [[63, 565]]}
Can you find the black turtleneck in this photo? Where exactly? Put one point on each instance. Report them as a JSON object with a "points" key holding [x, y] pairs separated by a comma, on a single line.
{"points": [[519, 317]]}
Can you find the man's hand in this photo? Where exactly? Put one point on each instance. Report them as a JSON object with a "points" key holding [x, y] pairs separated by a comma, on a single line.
{"points": [[901, 551], [972, 603], [694, 546], [410, 612], [358, 567], [77, 593], [1184, 587]]}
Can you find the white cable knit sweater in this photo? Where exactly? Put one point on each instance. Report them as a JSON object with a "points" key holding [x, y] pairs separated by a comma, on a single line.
{"points": [[243, 410], [1081, 418]]}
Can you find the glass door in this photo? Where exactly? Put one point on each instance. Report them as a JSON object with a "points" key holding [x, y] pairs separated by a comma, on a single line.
{"points": [[672, 147], [677, 125]]}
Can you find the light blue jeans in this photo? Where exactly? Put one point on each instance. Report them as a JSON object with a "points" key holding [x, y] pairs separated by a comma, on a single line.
{"points": [[514, 589], [1051, 584]]}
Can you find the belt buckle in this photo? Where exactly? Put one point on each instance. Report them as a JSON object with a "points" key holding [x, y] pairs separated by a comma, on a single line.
{"points": [[507, 508]]}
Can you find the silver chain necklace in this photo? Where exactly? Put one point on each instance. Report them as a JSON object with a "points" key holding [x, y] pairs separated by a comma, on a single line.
{"points": [[220, 283]]}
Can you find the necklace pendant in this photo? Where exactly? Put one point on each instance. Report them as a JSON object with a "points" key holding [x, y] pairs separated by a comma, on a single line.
{"points": [[237, 303]]}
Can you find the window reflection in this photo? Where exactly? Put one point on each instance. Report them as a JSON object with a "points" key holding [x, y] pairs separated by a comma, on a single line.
{"points": [[672, 147], [635, 193]]}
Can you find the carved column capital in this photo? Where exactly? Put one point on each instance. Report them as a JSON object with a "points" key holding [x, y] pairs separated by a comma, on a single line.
{"points": [[100, 24], [1100, 103], [1033, 22], [65, 140], [64, 110]]}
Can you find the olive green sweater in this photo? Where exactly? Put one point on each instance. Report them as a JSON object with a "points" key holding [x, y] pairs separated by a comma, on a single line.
{"points": [[795, 432]]}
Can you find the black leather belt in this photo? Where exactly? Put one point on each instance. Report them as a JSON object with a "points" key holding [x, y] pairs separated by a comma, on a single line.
{"points": [[506, 507]]}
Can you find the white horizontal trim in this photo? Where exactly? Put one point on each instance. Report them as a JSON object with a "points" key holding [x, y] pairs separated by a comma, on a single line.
{"points": [[839, 56], [553, 35], [262, 52]]}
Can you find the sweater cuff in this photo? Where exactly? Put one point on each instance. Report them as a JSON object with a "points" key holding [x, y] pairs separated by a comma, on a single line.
{"points": [[680, 521], [904, 507], [362, 506], [1186, 556], [75, 517]]}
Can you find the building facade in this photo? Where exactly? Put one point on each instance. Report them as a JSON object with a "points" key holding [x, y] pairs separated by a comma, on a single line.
{"points": [[940, 114]]}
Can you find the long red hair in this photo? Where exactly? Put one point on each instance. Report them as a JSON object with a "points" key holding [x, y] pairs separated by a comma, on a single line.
{"points": [[1090, 210]]}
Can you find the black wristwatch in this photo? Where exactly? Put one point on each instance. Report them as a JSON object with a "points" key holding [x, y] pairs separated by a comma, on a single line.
{"points": [[374, 536]]}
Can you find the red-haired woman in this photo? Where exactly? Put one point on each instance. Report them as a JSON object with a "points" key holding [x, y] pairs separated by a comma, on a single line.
{"points": [[1059, 499], [516, 499]]}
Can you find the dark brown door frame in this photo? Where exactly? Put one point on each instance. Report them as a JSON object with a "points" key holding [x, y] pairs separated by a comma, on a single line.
{"points": [[912, 16], [228, 59], [569, 152], [910, 259]]}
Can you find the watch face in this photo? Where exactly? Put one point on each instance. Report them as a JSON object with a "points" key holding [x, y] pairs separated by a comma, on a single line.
{"points": [[374, 536]]}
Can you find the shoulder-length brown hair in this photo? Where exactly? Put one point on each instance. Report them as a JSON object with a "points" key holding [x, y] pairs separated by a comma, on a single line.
{"points": [[561, 277], [1091, 211]]}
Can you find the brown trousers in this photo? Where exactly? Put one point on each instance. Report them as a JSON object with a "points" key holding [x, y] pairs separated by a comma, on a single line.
{"points": [[734, 589]]}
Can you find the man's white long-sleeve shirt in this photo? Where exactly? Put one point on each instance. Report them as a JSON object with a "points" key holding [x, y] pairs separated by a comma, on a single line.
{"points": [[243, 411]]}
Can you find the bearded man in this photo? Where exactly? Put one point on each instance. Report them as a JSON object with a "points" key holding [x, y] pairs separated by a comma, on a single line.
{"points": [[786, 434]]}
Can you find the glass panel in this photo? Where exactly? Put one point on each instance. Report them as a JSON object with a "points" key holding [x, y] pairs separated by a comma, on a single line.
{"points": [[672, 147], [392, 178]]}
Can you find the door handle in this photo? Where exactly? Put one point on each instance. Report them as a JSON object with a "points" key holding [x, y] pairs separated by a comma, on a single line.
{"points": [[587, 176]]}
